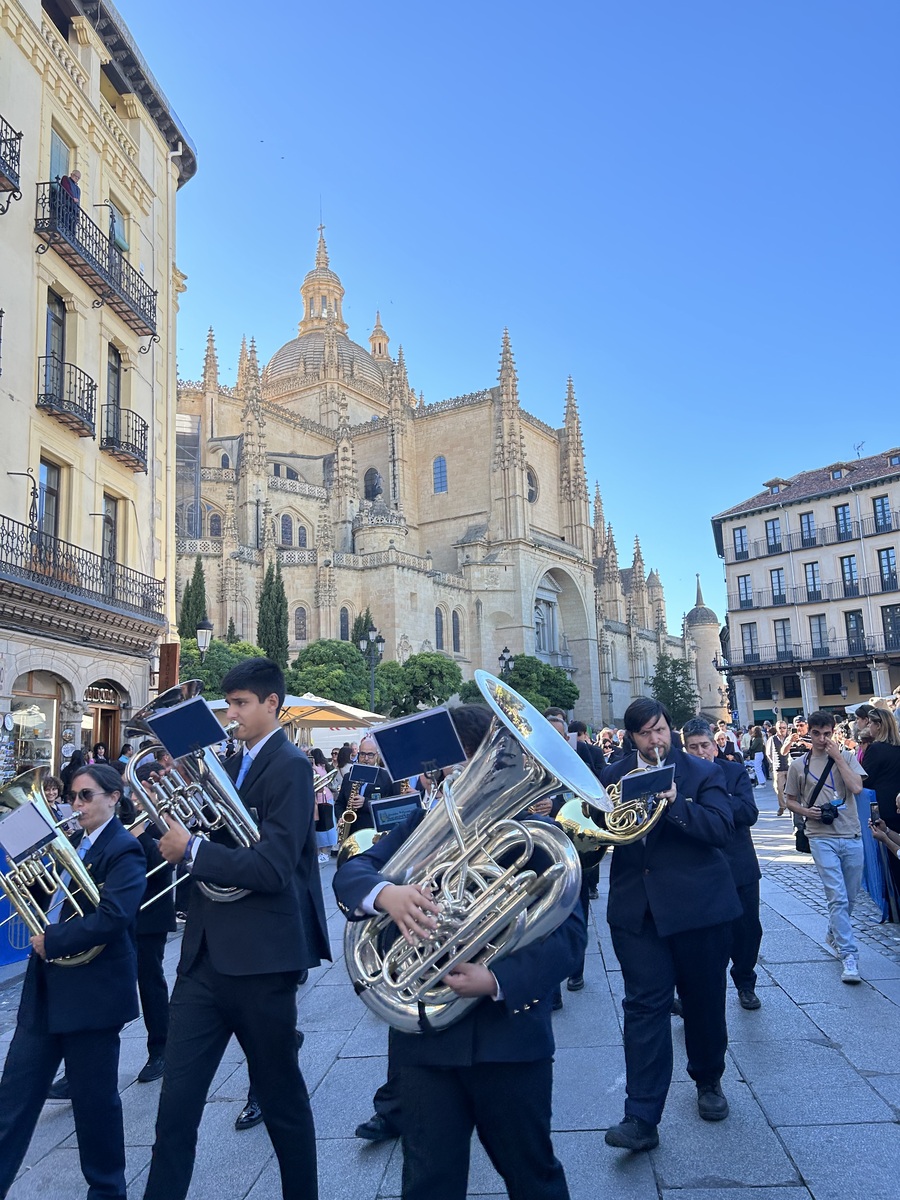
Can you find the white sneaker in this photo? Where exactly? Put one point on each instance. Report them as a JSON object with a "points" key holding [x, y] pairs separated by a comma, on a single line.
{"points": [[850, 973], [323, 858]]}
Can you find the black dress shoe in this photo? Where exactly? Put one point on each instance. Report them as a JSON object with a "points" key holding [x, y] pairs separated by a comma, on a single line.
{"points": [[677, 1010], [711, 1103], [557, 1002], [632, 1134], [575, 983], [377, 1129], [593, 894], [749, 999], [152, 1069], [304, 975], [59, 1090], [249, 1116]]}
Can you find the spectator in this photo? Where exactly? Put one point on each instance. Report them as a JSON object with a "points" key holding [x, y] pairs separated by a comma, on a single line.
{"points": [[778, 763], [326, 832], [757, 751], [727, 747], [822, 787], [882, 767]]}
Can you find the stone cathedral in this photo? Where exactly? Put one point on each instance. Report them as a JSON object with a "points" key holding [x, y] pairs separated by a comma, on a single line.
{"points": [[465, 526]]}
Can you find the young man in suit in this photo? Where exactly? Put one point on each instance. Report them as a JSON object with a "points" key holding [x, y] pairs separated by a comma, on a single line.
{"points": [[671, 903], [367, 757], [241, 960], [746, 931], [77, 1012], [492, 1070]]}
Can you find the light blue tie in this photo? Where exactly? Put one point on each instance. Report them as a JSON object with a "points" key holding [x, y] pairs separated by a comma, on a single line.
{"points": [[246, 764], [66, 879]]}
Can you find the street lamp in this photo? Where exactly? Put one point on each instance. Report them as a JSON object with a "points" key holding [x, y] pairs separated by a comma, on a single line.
{"points": [[843, 691], [204, 636], [506, 661], [372, 647]]}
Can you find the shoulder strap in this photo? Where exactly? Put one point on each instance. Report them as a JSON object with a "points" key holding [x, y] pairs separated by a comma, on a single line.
{"points": [[820, 782]]}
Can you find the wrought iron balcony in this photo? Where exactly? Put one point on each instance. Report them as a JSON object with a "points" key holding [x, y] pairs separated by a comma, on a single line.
{"points": [[835, 650], [124, 435], [26, 553], [93, 254], [67, 394], [10, 153]]}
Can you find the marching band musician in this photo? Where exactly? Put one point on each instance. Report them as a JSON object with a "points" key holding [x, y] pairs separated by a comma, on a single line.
{"points": [[492, 1070], [366, 757], [76, 1013], [241, 961]]}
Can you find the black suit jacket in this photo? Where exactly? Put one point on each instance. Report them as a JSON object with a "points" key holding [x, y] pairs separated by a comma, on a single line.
{"points": [[592, 755], [101, 994], [740, 851], [364, 813], [678, 871], [280, 925], [514, 1029]]}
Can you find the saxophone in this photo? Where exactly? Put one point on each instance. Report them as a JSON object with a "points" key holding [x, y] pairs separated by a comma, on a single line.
{"points": [[348, 816]]}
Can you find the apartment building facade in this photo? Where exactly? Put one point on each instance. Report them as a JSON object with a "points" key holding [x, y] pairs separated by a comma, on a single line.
{"points": [[813, 597]]}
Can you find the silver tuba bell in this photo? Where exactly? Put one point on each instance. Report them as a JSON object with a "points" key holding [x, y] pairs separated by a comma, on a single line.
{"points": [[198, 792], [471, 853]]}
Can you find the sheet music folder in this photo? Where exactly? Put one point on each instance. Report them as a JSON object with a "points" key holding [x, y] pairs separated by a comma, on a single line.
{"points": [[418, 743], [186, 727], [647, 783]]}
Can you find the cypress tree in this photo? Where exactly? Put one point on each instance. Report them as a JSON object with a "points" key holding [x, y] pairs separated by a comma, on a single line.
{"points": [[279, 648], [231, 636], [265, 623]]}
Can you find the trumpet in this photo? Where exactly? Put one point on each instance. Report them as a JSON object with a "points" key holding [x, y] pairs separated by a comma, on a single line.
{"points": [[321, 782]]}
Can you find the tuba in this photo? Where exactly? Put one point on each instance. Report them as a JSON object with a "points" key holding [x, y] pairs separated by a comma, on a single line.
{"points": [[44, 872], [198, 793], [472, 854]]}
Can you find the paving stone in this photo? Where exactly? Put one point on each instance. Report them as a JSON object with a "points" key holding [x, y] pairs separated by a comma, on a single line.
{"points": [[739, 1193], [740, 1151], [778, 1012], [862, 1036], [846, 1162], [594, 1170], [347, 1171], [588, 1018], [889, 1087], [55, 1124], [779, 1072], [588, 1088], [344, 1096], [228, 1163], [483, 1179], [788, 944], [57, 1176], [370, 1037]]}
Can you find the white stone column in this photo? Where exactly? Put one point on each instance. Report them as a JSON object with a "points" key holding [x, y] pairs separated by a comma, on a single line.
{"points": [[881, 678], [743, 690], [809, 691]]}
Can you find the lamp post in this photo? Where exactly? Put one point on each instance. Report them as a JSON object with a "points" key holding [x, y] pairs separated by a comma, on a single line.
{"points": [[204, 636], [844, 696], [506, 661], [372, 648], [775, 703]]}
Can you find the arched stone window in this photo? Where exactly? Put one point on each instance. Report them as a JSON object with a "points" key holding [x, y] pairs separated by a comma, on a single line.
{"points": [[345, 625], [301, 536], [287, 530], [372, 484], [300, 625], [532, 482], [215, 525], [226, 462], [438, 629], [439, 474], [457, 640]]}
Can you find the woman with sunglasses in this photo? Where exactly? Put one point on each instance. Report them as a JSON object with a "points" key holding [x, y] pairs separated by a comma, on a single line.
{"points": [[882, 763], [76, 1013]]}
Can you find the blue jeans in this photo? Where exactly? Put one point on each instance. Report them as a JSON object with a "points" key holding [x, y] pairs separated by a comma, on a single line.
{"points": [[840, 865]]}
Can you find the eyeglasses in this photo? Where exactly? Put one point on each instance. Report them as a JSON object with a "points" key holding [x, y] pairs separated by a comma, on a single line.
{"points": [[367, 754], [87, 795]]}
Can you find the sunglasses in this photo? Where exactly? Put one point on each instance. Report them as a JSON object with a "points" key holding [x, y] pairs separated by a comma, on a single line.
{"points": [[88, 794]]}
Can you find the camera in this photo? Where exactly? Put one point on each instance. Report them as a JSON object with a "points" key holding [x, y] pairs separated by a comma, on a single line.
{"points": [[828, 812]]}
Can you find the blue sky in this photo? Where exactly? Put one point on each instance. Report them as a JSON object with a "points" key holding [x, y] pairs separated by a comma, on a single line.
{"points": [[690, 206]]}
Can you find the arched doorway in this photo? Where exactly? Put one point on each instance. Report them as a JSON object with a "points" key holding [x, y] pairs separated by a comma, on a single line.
{"points": [[37, 697], [101, 719]]}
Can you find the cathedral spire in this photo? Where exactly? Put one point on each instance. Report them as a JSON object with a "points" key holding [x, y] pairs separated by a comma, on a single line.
{"points": [[573, 478], [612, 554], [599, 525], [639, 578], [509, 380], [241, 384], [210, 364], [379, 340], [699, 593], [322, 293], [322, 249], [253, 364]]}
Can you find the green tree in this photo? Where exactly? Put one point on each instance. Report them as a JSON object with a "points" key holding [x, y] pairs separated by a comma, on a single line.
{"points": [[272, 618], [332, 669], [673, 685], [431, 678], [193, 602], [470, 693], [542, 685], [392, 690], [361, 627], [231, 636], [220, 658]]}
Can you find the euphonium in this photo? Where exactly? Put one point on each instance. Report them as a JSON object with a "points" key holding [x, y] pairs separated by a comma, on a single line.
{"points": [[472, 854], [198, 792], [43, 871], [626, 823]]}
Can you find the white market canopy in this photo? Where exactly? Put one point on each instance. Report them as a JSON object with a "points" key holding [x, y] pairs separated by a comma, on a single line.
{"points": [[313, 712]]}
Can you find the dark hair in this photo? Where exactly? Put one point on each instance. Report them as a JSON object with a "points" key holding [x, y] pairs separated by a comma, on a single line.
{"points": [[577, 727], [863, 710], [160, 753], [555, 712], [471, 722], [97, 746], [261, 676], [643, 710], [344, 756], [53, 781], [317, 756], [821, 720], [126, 748], [696, 727], [105, 777]]}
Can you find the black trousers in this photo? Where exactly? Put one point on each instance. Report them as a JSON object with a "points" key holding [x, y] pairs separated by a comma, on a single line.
{"points": [[589, 879], [746, 937], [92, 1068], [153, 990], [652, 966], [387, 1100], [261, 1011], [507, 1103]]}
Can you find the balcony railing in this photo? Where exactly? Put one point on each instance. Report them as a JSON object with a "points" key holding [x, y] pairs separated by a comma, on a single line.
{"points": [[826, 535], [48, 562], [885, 523], [835, 589], [834, 650], [124, 435], [10, 154], [93, 254], [67, 393]]}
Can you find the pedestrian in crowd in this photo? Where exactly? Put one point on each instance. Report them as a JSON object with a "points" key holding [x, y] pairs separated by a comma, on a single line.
{"points": [[863, 730], [778, 763], [591, 754], [882, 767], [757, 752], [74, 764], [821, 789], [672, 900], [746, 930], [326, 831], [99, 753], [728, 747]]}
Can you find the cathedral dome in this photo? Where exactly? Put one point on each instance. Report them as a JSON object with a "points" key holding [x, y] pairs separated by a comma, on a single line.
{"points": [[306, 355], [700, 614]]}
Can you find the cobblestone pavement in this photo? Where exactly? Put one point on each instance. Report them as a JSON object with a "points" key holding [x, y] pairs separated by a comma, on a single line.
{"points": [[813, 1079]]}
